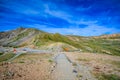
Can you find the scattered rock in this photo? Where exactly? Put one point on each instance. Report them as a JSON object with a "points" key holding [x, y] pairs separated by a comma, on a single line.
{"points": [[9, 62], [75, 71], [19, 75], [9, 74]]}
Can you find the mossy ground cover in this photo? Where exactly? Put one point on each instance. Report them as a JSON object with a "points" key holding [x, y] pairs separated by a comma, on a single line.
{"points": [[103, 76], [6, 57]]}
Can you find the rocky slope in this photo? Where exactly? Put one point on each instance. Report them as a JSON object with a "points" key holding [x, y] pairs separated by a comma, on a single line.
{"points": [[18, 37]]}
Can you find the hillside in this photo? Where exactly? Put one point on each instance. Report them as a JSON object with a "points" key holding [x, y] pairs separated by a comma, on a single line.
{"points": [[111, 36], [19, 37], [28, 37], [107, 44]]}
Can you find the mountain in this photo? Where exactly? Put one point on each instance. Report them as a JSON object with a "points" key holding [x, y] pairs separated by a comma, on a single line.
{"points": [[29, 37], [18, 37], [111, 36]]}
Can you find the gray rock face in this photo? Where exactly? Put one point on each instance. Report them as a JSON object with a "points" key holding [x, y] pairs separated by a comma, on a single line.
{"points": [[18, 36]]}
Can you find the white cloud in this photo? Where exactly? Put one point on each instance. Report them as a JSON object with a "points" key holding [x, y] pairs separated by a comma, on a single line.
{"points": [[52, 10], [56, 12], [93, 30]]}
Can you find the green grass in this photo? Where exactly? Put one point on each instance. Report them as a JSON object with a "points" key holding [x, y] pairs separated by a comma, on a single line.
{"points": [[1, 53], [83, 59], [106, 46], [86, 44], [43, 38], [116, 63], [111, 47], [74, 64], [51, 61], [103, 76], [21, 62], [24, 54], [6, 57]]}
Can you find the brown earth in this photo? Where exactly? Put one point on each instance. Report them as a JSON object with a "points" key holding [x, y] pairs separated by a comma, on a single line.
{"points": [[27, 67], [40, 66], [97, 63]]}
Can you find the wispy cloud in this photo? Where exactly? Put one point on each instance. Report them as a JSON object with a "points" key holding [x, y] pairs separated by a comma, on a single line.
{"points": [[78, 17], [93, 30]]}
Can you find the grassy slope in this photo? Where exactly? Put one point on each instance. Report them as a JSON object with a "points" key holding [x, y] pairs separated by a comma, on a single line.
{"points": [[105, 46], [1, 53], [43, 38], [6, 57], [87, 44], [103, 76], [101, 45]]}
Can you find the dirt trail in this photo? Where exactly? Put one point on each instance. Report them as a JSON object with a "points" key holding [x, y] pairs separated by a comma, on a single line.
{"points": [[64, 69]]}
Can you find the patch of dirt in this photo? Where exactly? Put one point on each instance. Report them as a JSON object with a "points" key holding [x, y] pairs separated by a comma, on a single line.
{"points": [[98, 63], [58, 47], [27, 67]]}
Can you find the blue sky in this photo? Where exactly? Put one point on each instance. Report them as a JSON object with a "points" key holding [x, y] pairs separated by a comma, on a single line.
{"points": [[76, 17]]}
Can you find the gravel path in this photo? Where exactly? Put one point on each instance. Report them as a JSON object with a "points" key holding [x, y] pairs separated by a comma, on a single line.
{"points": [[27, 50], [64, 69]]}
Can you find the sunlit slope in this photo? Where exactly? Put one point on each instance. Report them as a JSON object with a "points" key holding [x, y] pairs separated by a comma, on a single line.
{"points": [[28, 37], [108, 44], [47, 38]]}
